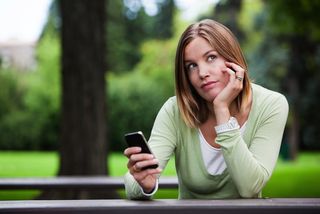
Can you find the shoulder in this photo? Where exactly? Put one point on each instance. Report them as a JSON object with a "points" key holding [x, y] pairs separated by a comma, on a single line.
{"points": [[169, 109], [264, 96], [170, 105], [172, 101], [170, 112], [268, 101]]}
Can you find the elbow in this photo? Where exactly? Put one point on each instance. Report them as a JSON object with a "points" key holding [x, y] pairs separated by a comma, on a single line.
{"points": [[248, 193], [253, 190]]}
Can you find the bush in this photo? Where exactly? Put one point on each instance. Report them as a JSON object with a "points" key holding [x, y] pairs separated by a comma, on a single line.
{"points": [[10, 92], [30, 102], [135, 98], [27, 119], [133, 103], [29, 116]]}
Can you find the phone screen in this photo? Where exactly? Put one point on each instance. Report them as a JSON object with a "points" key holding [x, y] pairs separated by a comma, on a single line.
{"points": [[137, 139]]}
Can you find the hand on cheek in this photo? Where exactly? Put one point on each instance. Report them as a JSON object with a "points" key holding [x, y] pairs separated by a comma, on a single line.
{"points": [[233, 85]]}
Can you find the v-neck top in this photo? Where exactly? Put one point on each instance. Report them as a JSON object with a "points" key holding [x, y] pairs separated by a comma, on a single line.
{"points": [[250, 158], [212, 157]]}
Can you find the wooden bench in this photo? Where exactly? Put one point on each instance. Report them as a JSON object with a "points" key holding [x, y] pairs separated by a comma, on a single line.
{"points": [[75, 182], [240, 206]]}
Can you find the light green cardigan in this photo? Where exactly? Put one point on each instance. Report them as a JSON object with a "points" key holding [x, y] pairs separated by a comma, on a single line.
{"points": [[250, 158]]}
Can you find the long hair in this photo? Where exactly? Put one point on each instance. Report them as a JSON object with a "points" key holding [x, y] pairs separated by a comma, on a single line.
{"points": [[192, 106]]}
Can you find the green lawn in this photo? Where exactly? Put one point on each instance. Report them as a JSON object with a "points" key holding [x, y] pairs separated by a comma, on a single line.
{"points": [[299, 178], [290, 179]]}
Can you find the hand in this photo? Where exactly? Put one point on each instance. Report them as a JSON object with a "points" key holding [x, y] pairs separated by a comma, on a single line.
{"points": [[234, 86], [137, 161]]}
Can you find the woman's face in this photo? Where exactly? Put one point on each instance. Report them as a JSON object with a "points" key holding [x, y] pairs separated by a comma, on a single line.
{"points": [[205, 68]]}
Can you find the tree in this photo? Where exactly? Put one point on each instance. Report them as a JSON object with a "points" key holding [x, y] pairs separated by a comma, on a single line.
{"points": [[296, 24], [227, 12], [128, 26], [163, 21], [83, 147]]}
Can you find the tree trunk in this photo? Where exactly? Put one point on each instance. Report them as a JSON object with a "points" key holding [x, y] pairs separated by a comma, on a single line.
{"points": [[83, 147]]}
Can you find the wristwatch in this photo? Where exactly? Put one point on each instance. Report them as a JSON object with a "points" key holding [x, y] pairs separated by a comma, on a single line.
{"points": [[232, 124]]}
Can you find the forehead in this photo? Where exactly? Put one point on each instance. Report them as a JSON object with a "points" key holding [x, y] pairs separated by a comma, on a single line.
{"points": [[197, 48]]}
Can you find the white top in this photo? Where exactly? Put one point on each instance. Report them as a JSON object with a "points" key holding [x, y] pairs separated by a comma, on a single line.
{"points": [[213, 157]]}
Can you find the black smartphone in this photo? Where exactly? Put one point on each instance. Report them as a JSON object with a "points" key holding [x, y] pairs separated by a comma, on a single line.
{"points": [[137, 139]]}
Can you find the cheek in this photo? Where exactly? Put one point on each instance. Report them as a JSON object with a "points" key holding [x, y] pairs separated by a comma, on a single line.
{"points": [[225, 78], [192, 79]]}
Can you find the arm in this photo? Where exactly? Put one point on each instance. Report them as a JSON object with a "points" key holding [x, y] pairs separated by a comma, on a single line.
{"points": [[251, 167], [162, 143]]}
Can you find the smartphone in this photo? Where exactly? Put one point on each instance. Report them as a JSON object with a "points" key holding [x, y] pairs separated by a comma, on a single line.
{"points": [[137, 139]]}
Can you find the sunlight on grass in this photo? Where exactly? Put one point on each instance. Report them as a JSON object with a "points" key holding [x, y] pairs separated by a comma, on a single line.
{"points": [[25, 164]]}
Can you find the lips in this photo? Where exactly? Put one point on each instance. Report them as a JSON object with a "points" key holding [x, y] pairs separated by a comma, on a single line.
{"points": [[208, 85]]}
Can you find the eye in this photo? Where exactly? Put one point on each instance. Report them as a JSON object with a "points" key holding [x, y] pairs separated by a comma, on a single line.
{"points": [[191, 66], [211, 58]]}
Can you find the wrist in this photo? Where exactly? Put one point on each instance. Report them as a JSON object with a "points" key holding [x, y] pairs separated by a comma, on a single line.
{"points": [[149, 186], [232, 124], [222, 114], [151, 191]]}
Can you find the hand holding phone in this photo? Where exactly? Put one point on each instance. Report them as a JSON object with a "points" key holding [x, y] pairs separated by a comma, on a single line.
{"points": [[137, 139]]}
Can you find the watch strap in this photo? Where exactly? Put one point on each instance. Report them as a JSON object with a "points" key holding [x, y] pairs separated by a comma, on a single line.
{"points": [[232, 124]]}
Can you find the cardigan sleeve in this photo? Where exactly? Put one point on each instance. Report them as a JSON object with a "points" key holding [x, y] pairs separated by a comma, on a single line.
{"points": [[250, 164], [162, 142]]}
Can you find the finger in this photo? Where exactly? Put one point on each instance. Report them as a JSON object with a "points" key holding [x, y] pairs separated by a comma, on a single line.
{"points": [[139, 166], [235, 67], [235, 80], [131, 150], [136, 168], [240, 78], [231, 74], [141, 157], [130, 163], [133, 169], [239, 72], [139, 176]]}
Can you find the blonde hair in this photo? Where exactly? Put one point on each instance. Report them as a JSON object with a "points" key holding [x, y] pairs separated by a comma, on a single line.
{"points": [[192, 106]]}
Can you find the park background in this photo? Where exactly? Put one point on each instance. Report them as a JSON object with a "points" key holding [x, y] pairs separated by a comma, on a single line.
{"points": [[104, 68]]}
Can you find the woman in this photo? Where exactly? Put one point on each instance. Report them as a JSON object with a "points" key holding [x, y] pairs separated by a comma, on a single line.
{"points": [[224, 131]]}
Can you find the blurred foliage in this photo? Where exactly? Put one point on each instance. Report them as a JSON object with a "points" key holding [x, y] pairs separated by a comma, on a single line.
{"points": [[34, 123], [298, 17], [135, 98], [140, 55], [11, 92], [128, 26], [292, 29], [30, 108]]}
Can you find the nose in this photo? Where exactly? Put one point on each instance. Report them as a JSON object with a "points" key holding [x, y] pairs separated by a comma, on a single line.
{"points": [[203, 71]]}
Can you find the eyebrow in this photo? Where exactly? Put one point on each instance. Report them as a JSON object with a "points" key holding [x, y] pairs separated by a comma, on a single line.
{"points": [[205, 54], [208, 52]]}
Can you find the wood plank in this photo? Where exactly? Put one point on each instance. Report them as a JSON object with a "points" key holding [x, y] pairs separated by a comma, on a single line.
{"points": [[248, 206], [75, 182]]}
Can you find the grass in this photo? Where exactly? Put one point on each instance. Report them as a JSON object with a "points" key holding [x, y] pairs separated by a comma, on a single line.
{"points": [[299, 179], [26, 164], [45, 164]]}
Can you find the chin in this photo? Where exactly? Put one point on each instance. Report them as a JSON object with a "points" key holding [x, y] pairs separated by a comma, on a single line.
{"points": [[210, 98]]}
